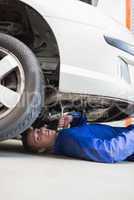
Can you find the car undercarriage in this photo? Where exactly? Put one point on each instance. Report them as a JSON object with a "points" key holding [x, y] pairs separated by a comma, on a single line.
{"points": [[25, 24]]}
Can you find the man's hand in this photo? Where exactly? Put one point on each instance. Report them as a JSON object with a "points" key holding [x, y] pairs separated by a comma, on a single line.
{"points": [[65, 121]]}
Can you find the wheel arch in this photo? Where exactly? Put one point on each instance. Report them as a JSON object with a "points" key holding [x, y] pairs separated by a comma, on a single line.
{"points": [[40, 12]]}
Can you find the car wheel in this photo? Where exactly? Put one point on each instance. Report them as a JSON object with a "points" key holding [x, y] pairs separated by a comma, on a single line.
{"points": [[21, 87]]}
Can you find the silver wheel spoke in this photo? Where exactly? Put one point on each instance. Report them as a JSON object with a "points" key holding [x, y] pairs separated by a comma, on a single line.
{"points": [[8, 97], [11, 84], [7, 64]]}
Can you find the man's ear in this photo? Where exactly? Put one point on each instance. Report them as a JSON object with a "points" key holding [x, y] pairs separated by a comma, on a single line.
{"points": [[31, 129]]}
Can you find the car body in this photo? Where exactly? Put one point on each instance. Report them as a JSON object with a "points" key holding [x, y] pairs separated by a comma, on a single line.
{"points": [[90, 64]]}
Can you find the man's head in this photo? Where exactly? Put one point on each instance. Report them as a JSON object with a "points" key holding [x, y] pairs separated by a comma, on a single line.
{"points": [[37, 140]]}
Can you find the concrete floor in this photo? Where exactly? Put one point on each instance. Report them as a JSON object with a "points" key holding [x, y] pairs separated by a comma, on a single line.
{"points": [[39, 177]]}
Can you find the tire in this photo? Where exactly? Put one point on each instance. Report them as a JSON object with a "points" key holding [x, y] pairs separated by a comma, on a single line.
{"points": [[27, 110]]}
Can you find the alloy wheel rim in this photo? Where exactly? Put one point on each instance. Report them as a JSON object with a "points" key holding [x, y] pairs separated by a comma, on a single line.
{"points": [[12, 82]]}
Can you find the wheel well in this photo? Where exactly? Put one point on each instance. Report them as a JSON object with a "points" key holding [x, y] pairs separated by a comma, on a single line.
{"points": [[26, 24], [15, 12]]}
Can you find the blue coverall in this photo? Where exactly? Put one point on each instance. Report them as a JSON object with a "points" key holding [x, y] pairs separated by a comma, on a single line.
{"points": [[96, 142]]}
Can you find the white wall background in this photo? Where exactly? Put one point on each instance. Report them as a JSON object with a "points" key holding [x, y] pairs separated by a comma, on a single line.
{"points": [[114, 8], [133, 16]]}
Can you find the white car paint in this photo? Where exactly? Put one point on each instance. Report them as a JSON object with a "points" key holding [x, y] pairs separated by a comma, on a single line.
{"points": [[88, 64]]}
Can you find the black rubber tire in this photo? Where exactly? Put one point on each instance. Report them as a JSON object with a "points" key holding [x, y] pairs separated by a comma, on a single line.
{"points": [[22, 117]]}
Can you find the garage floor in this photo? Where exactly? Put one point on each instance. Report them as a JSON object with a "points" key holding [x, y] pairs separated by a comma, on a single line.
{"points": [[36, 177]]}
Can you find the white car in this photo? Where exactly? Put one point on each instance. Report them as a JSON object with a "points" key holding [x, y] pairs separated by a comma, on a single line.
{"points": [[86, 58]]}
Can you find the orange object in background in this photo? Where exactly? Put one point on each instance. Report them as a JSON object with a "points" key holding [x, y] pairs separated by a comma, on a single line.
{"points": [[129, 14], [128, 121]]}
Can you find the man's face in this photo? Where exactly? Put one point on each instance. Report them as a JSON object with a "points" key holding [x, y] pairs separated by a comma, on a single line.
{"points": [[41, 138]]}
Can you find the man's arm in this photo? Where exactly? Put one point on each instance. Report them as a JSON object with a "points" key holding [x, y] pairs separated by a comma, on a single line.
{"points": [[78, 119]]}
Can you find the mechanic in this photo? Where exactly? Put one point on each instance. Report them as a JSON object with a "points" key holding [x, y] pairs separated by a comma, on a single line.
{"points": [[94, 142]]}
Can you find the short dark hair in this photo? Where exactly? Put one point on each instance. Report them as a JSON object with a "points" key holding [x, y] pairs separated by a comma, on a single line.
{"points": [[26, 146]]}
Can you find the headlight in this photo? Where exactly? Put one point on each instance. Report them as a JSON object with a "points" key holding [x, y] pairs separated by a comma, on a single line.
{"points": [[124, 46]]}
